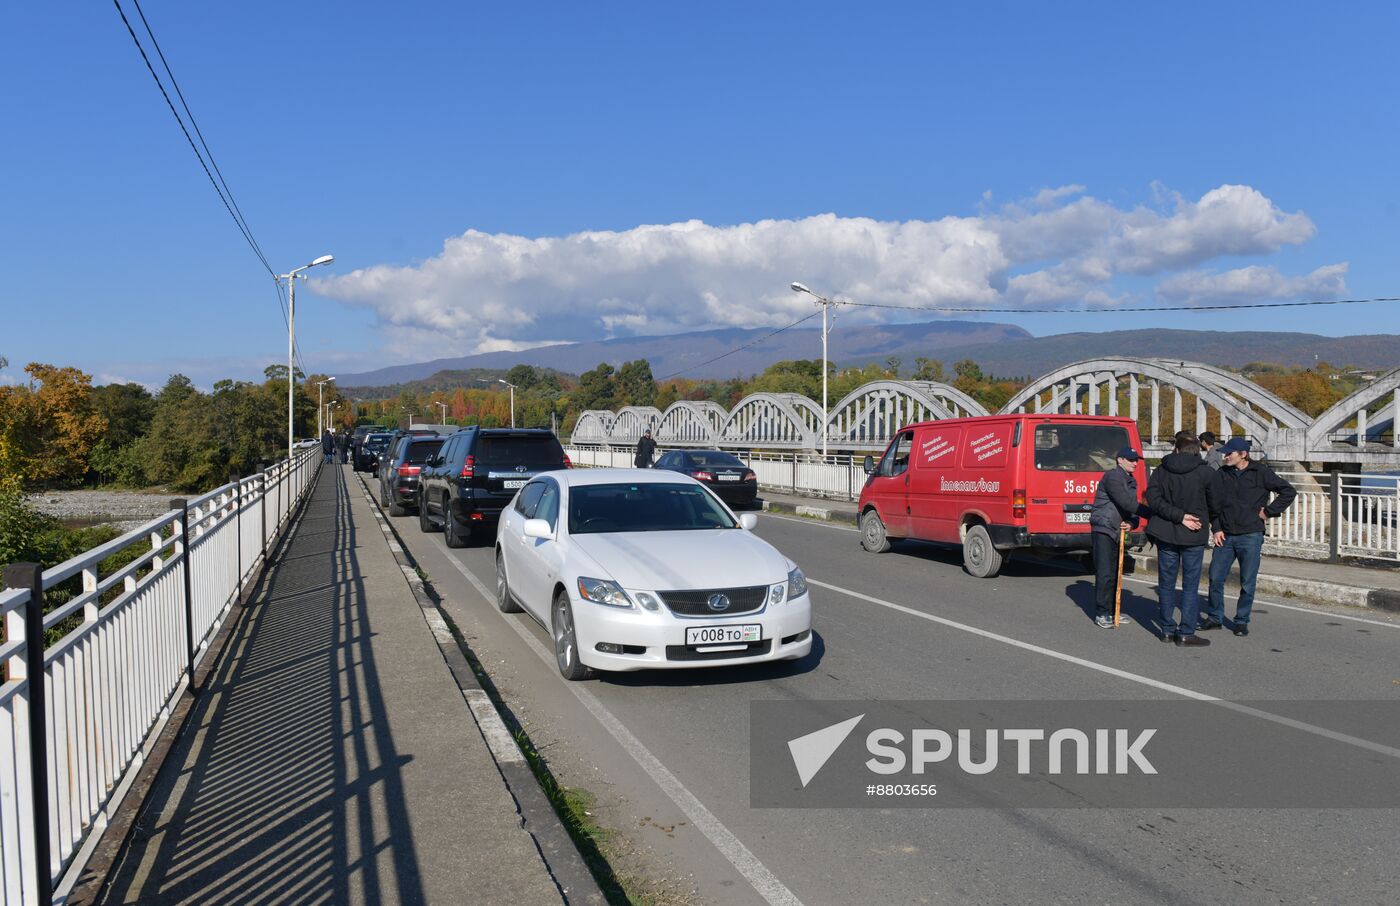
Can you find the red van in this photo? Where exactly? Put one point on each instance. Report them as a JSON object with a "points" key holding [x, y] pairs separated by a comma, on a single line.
{"points": [[993, 484]]}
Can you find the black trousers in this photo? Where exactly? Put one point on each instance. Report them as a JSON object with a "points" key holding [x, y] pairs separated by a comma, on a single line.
{"points": [[1105, 572]]}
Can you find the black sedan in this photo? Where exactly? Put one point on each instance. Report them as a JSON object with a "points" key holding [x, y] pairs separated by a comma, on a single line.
{"points": [[724, 473]]}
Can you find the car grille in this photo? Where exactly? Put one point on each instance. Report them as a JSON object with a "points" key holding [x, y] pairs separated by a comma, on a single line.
{"points": [[696, 603], [693, 652]]}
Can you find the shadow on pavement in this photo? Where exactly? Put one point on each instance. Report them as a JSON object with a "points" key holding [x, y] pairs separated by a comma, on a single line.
{"points": [[285, 786]]}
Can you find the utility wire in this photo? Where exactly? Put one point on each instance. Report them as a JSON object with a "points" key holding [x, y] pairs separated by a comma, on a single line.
{"points": [[220, 185], [1112, 311], [753, 342]]}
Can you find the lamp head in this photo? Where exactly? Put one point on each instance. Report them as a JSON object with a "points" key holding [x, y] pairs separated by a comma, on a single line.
{"points": [[324, 259], [799, 288]]}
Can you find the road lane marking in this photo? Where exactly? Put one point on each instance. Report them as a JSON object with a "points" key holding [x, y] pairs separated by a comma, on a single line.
{"points": [[1121, 674], [730, 846], [1316, 611]]}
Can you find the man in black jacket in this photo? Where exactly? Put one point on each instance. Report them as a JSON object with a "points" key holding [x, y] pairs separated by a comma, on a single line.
{"points": [[646, 447], [1182, 497], [1115, 511], [1244, 489]]}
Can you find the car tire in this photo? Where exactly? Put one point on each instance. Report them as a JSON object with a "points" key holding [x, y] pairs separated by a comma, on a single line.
{"points": [[872, 533], [561, 628], [425, 523], [504, 602], [384, 500], [449, 529], [397, 509], [980, 558]]}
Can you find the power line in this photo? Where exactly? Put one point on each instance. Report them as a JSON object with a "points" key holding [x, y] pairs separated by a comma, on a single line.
{"points": [[943, 309], [753, 342]]}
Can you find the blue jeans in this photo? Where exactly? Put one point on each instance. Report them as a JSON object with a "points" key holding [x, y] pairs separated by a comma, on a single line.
{"points": [[1247, 549], [1171, 559]]}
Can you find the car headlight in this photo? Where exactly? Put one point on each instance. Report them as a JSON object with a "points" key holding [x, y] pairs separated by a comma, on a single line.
{"points": [[796, 584], [603, 591]]}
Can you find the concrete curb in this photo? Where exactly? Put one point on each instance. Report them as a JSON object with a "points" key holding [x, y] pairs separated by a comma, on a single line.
{"points": [[1314, 591], [537, 816]]}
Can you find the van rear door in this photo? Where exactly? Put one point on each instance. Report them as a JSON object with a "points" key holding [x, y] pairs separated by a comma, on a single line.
{"points": [[1069, 460]]}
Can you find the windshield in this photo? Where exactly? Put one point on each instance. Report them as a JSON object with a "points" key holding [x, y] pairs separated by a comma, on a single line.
{"points": [[644, 507], [1078, 448], [715, 458], [378, 440]]}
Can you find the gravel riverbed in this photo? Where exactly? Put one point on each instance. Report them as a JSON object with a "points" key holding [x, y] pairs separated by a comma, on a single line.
{"points": [[123, 508]]}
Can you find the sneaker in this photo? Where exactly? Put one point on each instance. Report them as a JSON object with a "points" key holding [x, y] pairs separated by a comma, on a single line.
{"points": [[1241, 629], [1103, 621], [1167, 637], [1193, 641], [1207, 624]]}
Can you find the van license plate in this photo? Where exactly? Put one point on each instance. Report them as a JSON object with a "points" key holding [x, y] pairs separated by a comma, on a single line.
{"points": [[513, 483], [1076, 517], [720, 635]]}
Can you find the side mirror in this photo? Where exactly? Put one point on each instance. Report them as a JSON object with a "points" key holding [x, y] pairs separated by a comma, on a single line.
{"points": [[538, 528], [748, 521], [869, 464]]}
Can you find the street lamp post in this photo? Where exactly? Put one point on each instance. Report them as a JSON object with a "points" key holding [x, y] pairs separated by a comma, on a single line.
{"points": [[825, 303], [330, 411], [410, 412], [291, 278], [443, 407], [321, 405], [512, 399]]}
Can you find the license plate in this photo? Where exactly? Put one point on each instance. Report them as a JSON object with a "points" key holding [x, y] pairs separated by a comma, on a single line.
{"points": [[513, 483], [729, 478], [723, 635], [1077, 517]]}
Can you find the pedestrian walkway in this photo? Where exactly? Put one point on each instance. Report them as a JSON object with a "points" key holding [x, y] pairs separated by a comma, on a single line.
{"points": [[331, 757]]}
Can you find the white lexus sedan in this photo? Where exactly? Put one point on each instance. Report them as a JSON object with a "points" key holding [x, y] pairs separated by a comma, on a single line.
{"points": [[632, 568]]}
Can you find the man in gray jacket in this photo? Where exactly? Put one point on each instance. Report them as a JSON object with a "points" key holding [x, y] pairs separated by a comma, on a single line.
{"points": [[1116, 510]]}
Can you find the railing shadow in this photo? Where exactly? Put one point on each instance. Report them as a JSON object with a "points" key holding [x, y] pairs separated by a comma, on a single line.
{"points": [[286, 784]]}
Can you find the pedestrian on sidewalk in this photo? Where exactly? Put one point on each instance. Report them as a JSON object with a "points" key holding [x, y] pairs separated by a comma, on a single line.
{"points": [[1244, 488], [646, 448], [327, 444], [1210, 450], [1116, 510], [1181, 495]]}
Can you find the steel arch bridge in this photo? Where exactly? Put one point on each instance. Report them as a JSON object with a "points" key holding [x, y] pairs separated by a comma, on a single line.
{"points": [[1163, 395]]}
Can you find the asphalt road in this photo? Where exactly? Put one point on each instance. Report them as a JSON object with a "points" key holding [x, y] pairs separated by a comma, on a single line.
{"points": [[667, 753]]}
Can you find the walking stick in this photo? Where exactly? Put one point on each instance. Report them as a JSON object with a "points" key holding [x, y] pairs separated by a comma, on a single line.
{"points": [[1118, 587]]}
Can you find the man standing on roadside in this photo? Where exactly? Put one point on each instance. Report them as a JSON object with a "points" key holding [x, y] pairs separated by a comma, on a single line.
{"points": [[646, 447], [1115, 511], [328, 444], [1181, 495], [1210, 450], [1244, 489]]}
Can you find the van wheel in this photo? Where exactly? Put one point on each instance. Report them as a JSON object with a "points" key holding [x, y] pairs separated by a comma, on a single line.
{"points": [[872, 533], [979, 557]]}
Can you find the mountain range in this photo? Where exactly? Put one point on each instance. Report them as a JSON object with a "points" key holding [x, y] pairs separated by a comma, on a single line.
{"points": [[998, 348]]}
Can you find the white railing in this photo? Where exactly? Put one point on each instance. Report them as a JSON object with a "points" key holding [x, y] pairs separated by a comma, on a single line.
{"points": [[1367, 507], [116, 656]]}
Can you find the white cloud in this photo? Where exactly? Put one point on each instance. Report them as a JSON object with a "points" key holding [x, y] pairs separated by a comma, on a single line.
{"points": [[1059, 247], [1253, 284]]}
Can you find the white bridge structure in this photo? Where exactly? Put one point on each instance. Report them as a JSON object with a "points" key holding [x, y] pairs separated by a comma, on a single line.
{"points": [[1163, 395]]}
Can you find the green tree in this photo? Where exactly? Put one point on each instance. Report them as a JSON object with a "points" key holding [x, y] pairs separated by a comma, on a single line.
{"points": [[128, 409], [926, 369], [523, 376], [968, 370], [596, 389], [635, 384]]}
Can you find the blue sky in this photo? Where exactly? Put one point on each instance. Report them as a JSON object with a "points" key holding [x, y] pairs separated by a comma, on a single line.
{"points": [[481, 171]]}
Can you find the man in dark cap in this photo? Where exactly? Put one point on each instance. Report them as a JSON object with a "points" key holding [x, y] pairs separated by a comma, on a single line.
{"points": [[1116, 510], [1244, 488], [646, 447], [1181, 495]]}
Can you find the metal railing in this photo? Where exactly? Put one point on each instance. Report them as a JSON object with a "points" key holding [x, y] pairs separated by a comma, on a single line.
{"points": [[1335, 515], [140, 614]]}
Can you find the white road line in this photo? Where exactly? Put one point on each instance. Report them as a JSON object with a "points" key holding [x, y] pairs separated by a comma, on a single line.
{"points": [[1121, 674], [1317, 611], [730, 846]]}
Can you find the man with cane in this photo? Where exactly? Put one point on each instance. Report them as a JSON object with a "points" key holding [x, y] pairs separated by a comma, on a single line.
{"points": [[1116, 511]]}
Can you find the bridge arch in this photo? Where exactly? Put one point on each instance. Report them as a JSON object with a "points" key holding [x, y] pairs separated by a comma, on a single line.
{"points": [[594, 426], [696, 422], [869, 415], [632, 421], [774, 420], [1359, 420], [1241, 407]]}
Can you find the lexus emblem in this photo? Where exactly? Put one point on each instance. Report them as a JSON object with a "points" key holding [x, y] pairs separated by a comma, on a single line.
{"points": [[718, 602]]}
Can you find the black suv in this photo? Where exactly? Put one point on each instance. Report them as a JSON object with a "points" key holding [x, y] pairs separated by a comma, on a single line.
{"points": [[477, 473], [367, 454], [399, 470]]}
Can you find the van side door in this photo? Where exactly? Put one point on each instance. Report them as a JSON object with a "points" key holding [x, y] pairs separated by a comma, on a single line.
{"points": [[889, 484], [935, 513]]}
